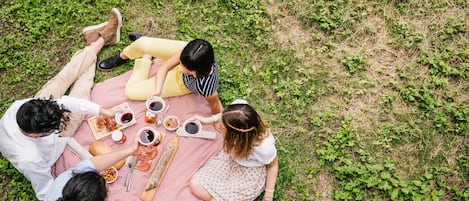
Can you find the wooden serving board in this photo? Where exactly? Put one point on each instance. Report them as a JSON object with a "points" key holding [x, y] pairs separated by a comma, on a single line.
{"points": [[160, 170], [146, 154], [100, 134]]}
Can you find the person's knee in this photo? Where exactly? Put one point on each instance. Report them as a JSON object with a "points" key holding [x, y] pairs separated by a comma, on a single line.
{"points": [[132, 94], [136, 49], [193, 184]]}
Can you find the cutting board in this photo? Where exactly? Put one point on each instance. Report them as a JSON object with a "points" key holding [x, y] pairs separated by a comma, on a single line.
{"points": [[100, 134]]}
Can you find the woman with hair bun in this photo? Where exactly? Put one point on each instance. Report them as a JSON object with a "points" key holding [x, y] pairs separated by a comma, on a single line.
{"points": [[247, 165]]}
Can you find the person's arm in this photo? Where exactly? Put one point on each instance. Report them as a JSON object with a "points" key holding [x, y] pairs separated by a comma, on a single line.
{"points": [[215, 103], [271, 179], [109, 112], [163, 71], [84, 106], [104, 161], [207, 120]]}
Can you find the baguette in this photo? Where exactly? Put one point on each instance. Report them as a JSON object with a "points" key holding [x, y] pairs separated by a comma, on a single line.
{"points": [[98, 148]]}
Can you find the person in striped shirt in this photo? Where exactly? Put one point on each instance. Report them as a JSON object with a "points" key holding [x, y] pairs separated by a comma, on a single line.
{"points": [[189, 67]]}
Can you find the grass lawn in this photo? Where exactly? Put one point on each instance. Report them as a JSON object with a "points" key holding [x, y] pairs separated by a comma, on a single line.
{"points": [[368, 100]]}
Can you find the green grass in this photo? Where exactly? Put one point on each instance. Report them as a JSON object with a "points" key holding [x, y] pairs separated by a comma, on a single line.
{"points": [[369, 100]]}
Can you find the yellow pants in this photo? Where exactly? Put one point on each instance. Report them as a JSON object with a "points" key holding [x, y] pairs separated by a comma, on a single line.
{"points": [[140, 86]]}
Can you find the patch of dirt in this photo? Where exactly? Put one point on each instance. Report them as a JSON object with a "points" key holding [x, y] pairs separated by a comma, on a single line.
{"points": [[360, 94], [324, 187], [149, 22]]}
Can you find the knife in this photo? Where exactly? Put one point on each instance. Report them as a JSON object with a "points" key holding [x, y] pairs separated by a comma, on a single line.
{"points": [[128, 178]]}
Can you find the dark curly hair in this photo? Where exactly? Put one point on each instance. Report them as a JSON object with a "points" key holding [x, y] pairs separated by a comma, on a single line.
{"points": [[41, 116], [198, 56], [86, 186]]}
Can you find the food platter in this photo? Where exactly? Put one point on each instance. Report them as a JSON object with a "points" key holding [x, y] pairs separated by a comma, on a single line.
{"points": [[171, 123], [104, 126], [110, 175], [146, 154]]}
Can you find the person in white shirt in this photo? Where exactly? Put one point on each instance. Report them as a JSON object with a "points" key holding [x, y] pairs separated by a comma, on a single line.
{"points": [[248, 164], [30, 128]]}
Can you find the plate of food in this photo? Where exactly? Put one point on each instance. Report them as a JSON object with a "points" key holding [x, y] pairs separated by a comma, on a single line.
{"points": [[171, 123], [110, 175], [103, 126], [145, 154]]}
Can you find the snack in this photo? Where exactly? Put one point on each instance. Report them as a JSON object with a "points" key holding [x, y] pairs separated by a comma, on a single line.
{"points": [[110, 175], [98, 148], [104, 124], [171, 123], [145, 156], [160, 170]]}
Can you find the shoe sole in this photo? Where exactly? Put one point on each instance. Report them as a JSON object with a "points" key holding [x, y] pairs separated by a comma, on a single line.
{"points": [[104, 70], [119, 24], [94, 27]]}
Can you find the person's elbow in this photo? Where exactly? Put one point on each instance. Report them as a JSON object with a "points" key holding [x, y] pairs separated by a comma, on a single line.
{"points": [[273, 166], [215, 103]]}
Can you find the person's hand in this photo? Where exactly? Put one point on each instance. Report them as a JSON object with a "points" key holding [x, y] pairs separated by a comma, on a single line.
{"points": [[134, 146], [110, 112], [204, 120], [218, 126]]}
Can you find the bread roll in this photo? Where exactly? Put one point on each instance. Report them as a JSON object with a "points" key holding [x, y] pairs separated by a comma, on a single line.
{"points": [[98, 148]]}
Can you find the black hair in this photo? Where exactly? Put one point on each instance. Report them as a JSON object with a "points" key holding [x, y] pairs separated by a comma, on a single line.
{"points": [[86, 186], [198, 56], [42, 115]]}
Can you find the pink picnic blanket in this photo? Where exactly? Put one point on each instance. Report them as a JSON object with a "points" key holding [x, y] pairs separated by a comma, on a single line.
{"points": [[190, 156]]}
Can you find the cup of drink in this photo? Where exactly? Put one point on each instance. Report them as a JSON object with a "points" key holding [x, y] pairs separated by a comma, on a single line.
{"points": [[125, 117], [192, 127], [148, 136], [118, 136], [155, 104]]}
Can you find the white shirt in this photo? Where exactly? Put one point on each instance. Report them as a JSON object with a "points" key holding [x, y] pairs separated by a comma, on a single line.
{"points": [[261, 155], [34, 157]]}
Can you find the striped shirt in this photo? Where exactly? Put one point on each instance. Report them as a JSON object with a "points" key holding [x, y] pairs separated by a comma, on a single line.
{"points": [[204, 86]]}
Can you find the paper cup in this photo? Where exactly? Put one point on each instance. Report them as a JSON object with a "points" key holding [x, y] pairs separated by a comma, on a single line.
{"points": [[155, 104], [192, 127], [148, 136], [125, 117]]}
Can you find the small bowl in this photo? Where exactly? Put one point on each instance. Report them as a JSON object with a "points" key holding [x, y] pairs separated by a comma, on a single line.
{"points": [[148, 136], [110, 175], [192, 127], [155, 104], [171, 123]]}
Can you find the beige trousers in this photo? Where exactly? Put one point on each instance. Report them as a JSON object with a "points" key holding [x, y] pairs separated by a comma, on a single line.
{"points": [[140, 86], [79, 72]]}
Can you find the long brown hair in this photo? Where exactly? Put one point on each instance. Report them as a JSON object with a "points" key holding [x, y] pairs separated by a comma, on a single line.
{"points": [[244, 127]]}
